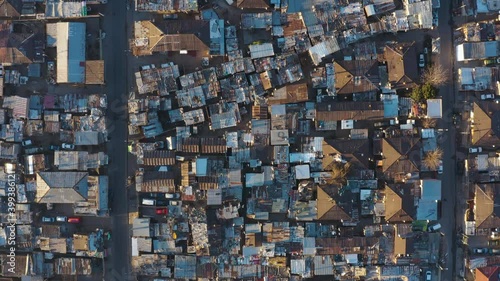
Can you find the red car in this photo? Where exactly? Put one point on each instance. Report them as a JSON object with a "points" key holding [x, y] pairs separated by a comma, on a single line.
{"points": [[74, 220], [161, 211]]}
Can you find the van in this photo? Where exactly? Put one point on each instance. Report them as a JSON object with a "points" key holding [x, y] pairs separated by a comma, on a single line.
{"points": [[148, 202], [435, 227]]}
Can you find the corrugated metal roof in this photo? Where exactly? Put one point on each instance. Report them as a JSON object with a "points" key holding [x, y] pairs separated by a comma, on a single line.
{"points": [[70, 52]]}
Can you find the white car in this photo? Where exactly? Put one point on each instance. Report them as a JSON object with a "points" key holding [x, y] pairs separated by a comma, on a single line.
{"points": [[440, 168], [61, 219], [475, 149], [421, 60], [27, 143], [434, 228], [428, 276], [487, 96], [68, 146]]}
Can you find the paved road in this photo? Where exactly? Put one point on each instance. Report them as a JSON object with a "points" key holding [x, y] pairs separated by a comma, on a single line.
{"points": [[447, 143], [115, 44]]}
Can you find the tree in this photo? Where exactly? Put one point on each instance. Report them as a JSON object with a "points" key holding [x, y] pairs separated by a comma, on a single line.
{"points": [[432, 159], [423, 92], [339, 171], [429, 123], [416, 94], [435, 75], [429, 91]]}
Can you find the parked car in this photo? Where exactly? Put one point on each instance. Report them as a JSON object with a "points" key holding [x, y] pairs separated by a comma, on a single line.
{"points": [[27, 143], [480, 251], [47, 219], [421, 60], [170, 16], [428, 275], [74, 220], [487, 96], [54, 147], [434, 228], [493, 242], [440, 168], [495, 235], [68, 146], [489, 61], [494, 251], [475, 149], [61, 219], [161, 203], [162, 211], [148, 202], [155, 195], [382, 124], [172, 195], [33, 150], [435, 19], [174, 203]]}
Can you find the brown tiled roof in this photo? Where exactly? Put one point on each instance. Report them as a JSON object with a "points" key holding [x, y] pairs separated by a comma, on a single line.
{"points": [[208, 182], [178, 42], [357, 152], [344, 245], [191, 145], [486, 130], [490, 273], [94, 72], [171, 36], [252, 4], [157, 182], [11, 45], [357, 76], [401, 154], [259, 112], [487, 205], [401, 64], [11, 8], [398, 207], [328, 208], [294, 25], [289, 94], [350, 111], [158, 157], [213, 145]]}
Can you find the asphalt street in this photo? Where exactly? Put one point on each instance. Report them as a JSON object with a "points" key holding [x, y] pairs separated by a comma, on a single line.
{"points": [[448, 145], [115, 45]]}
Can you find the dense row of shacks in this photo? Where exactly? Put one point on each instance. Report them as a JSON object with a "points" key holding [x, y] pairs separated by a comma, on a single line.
{"points": [[33, 125], [477, 43], [247, 145]]}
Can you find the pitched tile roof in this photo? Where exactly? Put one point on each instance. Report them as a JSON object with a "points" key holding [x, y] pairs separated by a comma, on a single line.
{"points": [[490, 273], [252, 4], [356, 76], [356, 152], [486, 130], [350, 111], [398, 205], [401, 155], [487, 202], [328, 209], [61, 187], [401, 64]]}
